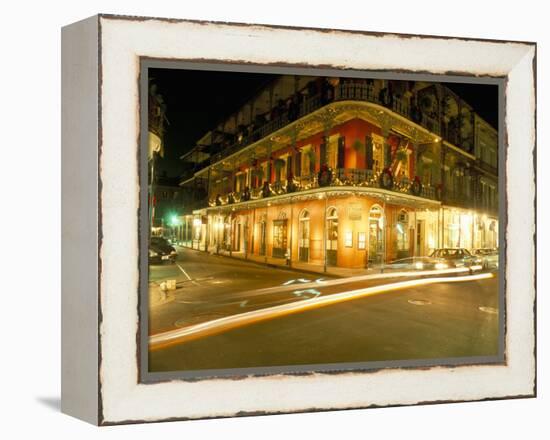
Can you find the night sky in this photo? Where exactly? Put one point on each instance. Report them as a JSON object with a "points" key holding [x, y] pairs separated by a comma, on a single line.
{"points": [[197, 100]]}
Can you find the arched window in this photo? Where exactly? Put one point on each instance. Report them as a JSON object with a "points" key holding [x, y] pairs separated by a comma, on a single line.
{"points": [[332, 228]]}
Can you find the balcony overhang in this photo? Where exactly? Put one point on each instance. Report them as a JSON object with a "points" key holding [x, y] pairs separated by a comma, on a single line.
{"points": [[335, 113], [387, 196]]}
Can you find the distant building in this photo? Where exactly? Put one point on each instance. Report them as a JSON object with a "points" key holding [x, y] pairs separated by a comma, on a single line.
{"points": [[156, 125], [345, 172]]}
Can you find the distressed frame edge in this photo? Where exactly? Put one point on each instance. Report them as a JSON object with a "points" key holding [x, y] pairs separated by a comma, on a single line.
{"points": [[105, 422], [80, 307]]}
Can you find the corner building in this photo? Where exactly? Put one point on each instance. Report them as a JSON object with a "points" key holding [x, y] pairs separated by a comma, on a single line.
{"points": [[345, 172]]}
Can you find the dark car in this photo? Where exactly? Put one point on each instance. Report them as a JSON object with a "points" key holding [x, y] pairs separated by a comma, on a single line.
{"points": [[417, 263], [160, 250], [456, 257]]}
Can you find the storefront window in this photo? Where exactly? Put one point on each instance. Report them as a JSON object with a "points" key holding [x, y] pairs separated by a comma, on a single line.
{"points": [[402, 235]]}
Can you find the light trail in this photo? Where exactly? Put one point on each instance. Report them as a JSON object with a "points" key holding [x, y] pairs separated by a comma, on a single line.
{"points": [[290, 285], [219, 325]]}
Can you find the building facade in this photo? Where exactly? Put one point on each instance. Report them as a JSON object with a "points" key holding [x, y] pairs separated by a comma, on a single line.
{"points": [[346, 172]]}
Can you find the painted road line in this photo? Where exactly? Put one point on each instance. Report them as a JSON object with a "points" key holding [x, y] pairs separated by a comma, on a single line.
{"points": [[187, 275], [223, 324]]}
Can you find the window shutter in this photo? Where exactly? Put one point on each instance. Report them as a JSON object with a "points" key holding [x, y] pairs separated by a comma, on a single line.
{"points": [[323, 147], [369, 160], [298, 164], [288, 166], [341, 152]]}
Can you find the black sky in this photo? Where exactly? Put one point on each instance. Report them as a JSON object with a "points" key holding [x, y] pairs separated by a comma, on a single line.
{"points": [[197, 100]]}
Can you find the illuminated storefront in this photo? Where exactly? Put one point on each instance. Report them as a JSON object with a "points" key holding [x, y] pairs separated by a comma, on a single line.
{"points": [[349, 183]]}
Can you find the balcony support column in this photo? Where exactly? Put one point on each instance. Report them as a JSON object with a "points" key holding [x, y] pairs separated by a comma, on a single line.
{"points": [[269, 164], [293, 154], [387, 146]]}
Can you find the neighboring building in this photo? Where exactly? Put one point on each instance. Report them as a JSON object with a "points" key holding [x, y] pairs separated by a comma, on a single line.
{"points": [[346, 172], [156, 125], [168, 200]]}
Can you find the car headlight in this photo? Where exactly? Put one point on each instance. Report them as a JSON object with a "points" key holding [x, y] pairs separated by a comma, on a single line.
{"points": [[153, 254], [440, 266]]}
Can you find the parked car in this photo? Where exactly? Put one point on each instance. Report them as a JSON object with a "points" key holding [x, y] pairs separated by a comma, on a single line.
{"points": [[456, 257], [488, 257], [160, 250], [417, 263]]}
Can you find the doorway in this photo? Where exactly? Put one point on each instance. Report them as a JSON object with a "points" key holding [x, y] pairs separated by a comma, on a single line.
{"points": [[376, 235], [279, 238], [332, 237], [303, 233]]}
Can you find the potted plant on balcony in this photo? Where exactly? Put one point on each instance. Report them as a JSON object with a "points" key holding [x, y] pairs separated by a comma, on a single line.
{"points": [[325, 176], [401, 155], [386, 179], [266, 189], [291, 184]]}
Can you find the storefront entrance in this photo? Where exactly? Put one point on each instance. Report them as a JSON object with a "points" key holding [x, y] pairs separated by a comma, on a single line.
{"points": [[332, 237], [303, 233], [376, 235], [279, 238]]}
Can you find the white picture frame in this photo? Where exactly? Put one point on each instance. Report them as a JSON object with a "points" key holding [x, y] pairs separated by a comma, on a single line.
{"points": [[101, 380]]}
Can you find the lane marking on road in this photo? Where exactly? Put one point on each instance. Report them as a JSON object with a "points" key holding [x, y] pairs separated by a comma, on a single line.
{"points": [[183, 270], [187, 275], [220, 325]]}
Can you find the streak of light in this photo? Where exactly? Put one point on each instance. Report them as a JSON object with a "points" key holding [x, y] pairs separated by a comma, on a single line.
{"points": [[229, 322], [287, 286]]}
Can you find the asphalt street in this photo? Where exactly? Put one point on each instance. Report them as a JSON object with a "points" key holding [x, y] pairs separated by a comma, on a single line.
{"points": [[440, 320]]}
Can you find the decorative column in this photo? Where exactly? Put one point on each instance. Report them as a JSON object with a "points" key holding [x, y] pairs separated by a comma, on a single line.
{"points": [[269, 164], [386, 147], [325, 236]]}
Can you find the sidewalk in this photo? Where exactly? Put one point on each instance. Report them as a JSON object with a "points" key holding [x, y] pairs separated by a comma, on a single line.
{"points": [[280, 263]]}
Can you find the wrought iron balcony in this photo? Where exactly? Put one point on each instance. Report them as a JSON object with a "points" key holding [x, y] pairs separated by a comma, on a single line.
{"points": [[339, 177], [354, 91]]}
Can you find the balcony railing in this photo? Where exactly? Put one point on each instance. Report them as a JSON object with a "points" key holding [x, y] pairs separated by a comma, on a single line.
{"points": [[339, 177], [345, 91]]}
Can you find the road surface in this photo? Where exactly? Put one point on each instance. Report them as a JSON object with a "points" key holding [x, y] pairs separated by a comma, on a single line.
{"points": [[440, 320]]}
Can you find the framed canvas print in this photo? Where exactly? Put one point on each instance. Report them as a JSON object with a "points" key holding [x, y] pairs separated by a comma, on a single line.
{"points": [[263, 220]]}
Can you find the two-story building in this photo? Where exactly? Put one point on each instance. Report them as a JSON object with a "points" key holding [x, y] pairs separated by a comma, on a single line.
{"points": [[347, 172]]}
